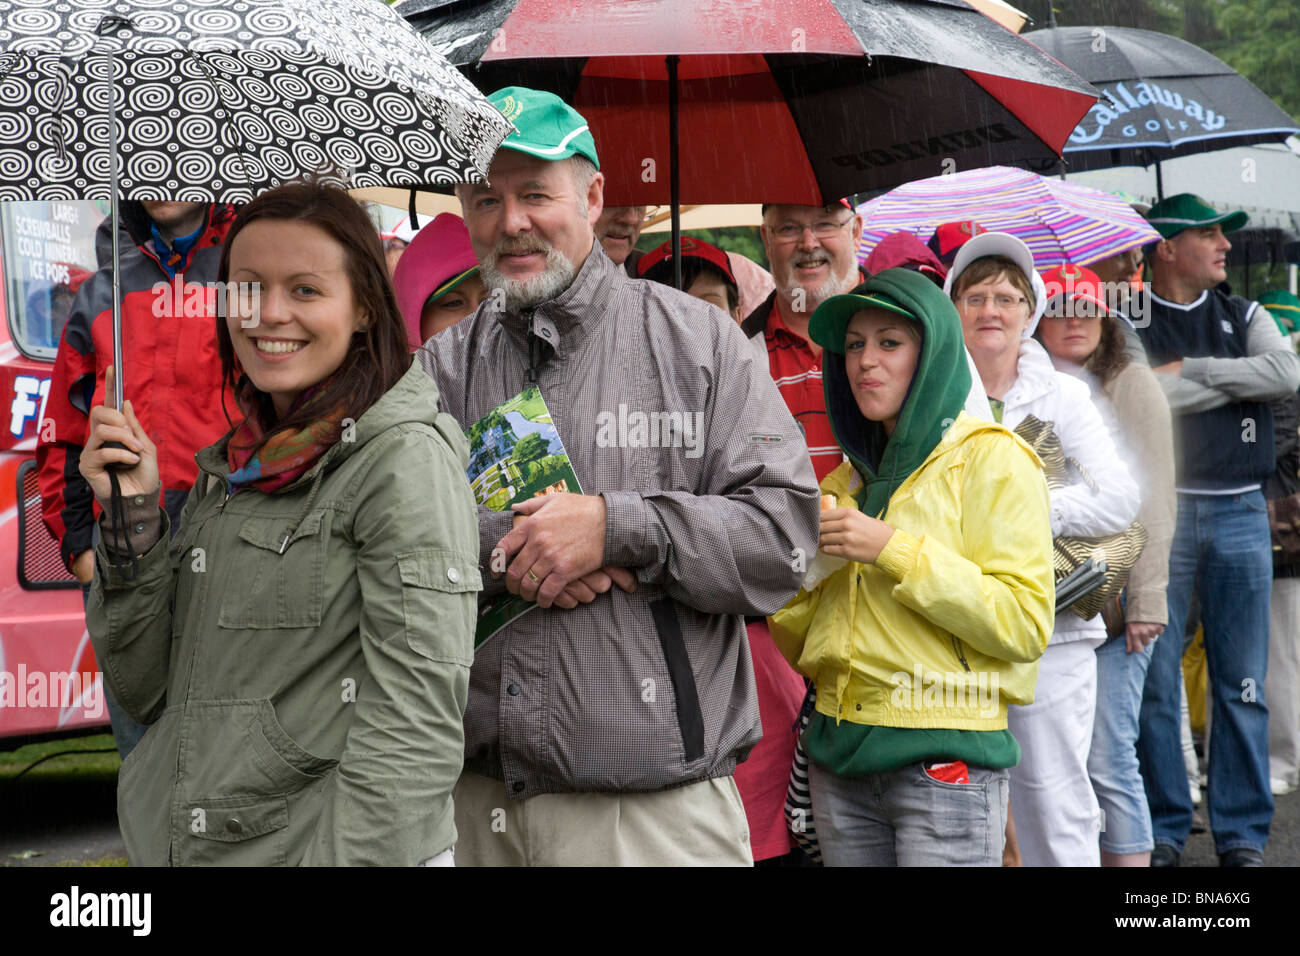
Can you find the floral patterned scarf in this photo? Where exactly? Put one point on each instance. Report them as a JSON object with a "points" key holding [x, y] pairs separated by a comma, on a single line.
{"points": [[288, 455]]}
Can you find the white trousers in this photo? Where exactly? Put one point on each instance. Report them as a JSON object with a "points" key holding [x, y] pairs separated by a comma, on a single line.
{"points": [[1057, 817], [1281, 687]]}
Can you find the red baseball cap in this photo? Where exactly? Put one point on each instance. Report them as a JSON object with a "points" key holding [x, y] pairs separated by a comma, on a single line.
{"points": [[1074, 282], [691, 249], [950, 236], [903, 250]]}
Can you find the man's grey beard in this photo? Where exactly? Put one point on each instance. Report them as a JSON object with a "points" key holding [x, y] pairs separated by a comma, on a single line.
{"points": [[520, 294], [834, 285]]}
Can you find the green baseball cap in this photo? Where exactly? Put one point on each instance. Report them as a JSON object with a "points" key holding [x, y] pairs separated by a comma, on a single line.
{"points": [[1284, 307], [545, 125], [830, 323], [1172, 215]]}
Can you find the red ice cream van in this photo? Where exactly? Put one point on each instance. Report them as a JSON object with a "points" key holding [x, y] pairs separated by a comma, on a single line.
{"points": [[49, 681]]}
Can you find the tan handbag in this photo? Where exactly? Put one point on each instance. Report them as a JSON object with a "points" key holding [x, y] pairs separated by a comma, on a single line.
{"points": [[1120, 551]]}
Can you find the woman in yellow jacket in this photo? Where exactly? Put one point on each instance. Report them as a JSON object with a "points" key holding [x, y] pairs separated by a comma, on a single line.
{"points": [[931, 598]]}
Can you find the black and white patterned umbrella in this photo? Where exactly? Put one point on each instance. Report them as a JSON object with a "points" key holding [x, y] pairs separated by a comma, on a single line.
{"points": [[218, 100]]}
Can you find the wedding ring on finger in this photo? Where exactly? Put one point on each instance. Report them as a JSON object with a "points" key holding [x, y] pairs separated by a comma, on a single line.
{"points": [[535, 579]]}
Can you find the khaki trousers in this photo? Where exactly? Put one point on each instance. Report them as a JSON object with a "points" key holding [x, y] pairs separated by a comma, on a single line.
{"points": [[701, 824]]}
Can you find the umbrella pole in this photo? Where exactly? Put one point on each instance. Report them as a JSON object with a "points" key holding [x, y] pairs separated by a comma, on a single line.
{"points": [[1160, 183], [674, 173], [118, 386]]}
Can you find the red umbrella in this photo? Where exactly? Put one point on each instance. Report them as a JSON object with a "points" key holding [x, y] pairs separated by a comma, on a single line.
{"points": [[798, 101]]}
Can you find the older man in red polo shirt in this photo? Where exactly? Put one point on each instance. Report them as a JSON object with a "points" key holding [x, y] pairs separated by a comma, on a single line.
{"points": [[813, 254]]}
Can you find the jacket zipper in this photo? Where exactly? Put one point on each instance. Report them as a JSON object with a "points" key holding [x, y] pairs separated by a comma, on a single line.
{"points": [[960, 656], [534, 347]]}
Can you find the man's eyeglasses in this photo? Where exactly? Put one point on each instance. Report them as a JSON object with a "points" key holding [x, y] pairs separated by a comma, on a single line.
{"points": [[822, 229], [1003, 303]]}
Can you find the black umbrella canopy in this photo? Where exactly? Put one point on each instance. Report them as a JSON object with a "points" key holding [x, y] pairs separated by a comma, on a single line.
{"points": [[1161, 97]]}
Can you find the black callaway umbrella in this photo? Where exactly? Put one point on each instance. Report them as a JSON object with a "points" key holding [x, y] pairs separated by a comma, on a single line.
{"points": [[1161, 98]]}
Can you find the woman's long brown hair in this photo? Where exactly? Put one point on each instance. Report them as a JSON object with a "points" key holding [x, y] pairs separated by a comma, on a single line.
{"points": [[377, 356], [1108, 359]]}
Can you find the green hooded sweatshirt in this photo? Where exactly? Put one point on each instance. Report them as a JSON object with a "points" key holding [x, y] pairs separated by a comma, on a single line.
{"points": [[935, 398]]}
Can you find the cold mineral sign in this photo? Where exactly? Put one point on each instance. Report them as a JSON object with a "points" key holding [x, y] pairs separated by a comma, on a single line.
{"points": [[49, 238], [49, 250]]}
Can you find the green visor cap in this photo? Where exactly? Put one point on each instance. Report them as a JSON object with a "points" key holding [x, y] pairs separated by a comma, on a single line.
{"points": [[1284, 307], [447, 286], [829, 324], [545, 125], [1171, 216]]}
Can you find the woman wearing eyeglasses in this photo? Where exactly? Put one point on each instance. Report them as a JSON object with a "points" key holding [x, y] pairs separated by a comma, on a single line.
{"points": [[1084, 339], [1000, 299]]}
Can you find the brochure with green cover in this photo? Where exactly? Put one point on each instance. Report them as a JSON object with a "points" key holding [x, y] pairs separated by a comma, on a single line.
{"points": [[515, 453]]}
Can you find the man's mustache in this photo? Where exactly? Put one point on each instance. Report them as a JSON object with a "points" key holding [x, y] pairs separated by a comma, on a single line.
{"points": [[811, 259], [520, 247]]}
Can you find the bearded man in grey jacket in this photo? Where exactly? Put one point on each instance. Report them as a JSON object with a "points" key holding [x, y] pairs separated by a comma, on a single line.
{"points": [[605, 725]]}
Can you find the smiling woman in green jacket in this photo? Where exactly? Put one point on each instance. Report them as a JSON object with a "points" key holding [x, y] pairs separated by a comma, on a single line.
{"points": [[932, 596], [304, 643]]}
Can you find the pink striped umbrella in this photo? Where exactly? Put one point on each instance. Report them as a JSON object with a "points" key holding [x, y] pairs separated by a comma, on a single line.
{"points": [[1060, 221]]}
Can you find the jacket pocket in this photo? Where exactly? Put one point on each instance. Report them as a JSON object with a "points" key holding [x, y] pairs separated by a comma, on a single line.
{"points": [[690, 719], [286, 766], [439, 591], [236, 831], [279, 577]]}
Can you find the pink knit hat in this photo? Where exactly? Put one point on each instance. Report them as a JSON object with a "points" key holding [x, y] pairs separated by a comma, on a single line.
{"points": [[438, 259]]}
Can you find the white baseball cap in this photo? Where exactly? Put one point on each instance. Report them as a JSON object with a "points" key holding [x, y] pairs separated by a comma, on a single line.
{"points": [[1011, 247], [401, 231]]}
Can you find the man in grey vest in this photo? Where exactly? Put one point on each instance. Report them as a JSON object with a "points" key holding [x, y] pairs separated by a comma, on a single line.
{"points": [[1221, 360]]}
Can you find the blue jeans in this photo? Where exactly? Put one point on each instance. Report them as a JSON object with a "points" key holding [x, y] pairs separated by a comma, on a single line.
{"points": [[906, 818], [1221, 548], [1113, 761]]}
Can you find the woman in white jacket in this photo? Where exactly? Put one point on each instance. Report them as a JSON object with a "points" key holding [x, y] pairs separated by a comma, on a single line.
{"points": [[1000, 299]]}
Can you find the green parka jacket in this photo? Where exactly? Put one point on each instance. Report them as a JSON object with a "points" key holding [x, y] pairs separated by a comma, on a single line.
{"points": [[305, 654]]}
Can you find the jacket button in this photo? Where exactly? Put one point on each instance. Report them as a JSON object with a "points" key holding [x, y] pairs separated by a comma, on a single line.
{"points": [[453, 575], [513, 690], [139, 499], [517, 786], [234, 826], [139, 529]]}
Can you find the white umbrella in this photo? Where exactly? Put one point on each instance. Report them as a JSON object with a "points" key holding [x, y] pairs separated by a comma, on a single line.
{"points": [[216, 101]]}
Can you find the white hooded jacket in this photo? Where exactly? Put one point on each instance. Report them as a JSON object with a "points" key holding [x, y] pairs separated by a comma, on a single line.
{"points": [[1052, 396]]}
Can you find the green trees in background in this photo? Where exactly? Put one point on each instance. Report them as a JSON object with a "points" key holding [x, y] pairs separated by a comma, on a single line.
{"points": [[743, 240], [1260, 39]]}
